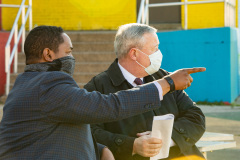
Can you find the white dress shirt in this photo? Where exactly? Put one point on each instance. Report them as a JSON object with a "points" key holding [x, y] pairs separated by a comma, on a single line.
{"points": [[130, 78]]}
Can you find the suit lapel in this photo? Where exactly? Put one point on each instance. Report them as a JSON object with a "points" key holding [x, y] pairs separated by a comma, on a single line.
{"points": [[117, 77]]}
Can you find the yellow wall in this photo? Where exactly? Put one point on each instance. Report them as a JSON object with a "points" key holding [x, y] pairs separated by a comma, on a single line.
{"points": [[236, 13], [205, 15], [75, 14]]}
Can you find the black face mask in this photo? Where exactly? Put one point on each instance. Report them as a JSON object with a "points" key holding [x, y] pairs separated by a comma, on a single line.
{"points": [[64, 64]]}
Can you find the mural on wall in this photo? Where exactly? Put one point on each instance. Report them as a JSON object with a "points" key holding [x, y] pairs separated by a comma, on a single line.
{"points": [[75, 14]]}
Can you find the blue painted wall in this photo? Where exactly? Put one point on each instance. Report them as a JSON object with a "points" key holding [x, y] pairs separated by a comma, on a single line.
{"points": [[216, 49]]}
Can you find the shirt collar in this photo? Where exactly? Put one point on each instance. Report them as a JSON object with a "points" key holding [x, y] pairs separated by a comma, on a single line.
{"points": [[128, 76]]}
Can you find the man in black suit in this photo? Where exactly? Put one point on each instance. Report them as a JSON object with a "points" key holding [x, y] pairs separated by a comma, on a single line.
{"points": [[138, 61]]}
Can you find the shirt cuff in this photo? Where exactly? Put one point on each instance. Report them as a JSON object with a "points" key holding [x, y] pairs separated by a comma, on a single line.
{"points": [[160, 91]]}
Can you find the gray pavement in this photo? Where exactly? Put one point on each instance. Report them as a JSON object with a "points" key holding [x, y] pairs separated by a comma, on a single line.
{"points": [[223, 119]]}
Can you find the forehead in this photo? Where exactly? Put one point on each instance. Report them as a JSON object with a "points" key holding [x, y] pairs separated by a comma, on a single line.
{"points": [[67, 41], [151, 38]]}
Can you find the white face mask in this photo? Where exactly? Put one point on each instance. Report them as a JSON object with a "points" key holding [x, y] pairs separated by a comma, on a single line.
{"points": [[155, 60]]}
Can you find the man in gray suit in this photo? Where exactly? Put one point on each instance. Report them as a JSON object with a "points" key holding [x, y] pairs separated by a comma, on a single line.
{"points": [[46, 114]]}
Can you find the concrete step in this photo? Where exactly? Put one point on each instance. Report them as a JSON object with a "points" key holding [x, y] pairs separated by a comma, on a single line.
{"points": [[80, 67], [167, 26], [2, 101], [83, 57], [94, 56], [93, 47], [92, 36], [21, 67], [91, 67], [21, 57], [13, 77]]}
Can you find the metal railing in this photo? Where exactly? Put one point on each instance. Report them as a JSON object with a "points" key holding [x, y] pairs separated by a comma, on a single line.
{"points": [[143, 14], [17, 35]]}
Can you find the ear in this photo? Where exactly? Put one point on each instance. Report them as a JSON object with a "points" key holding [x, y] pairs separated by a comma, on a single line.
{"points": [[48, 55], [133, 54]]}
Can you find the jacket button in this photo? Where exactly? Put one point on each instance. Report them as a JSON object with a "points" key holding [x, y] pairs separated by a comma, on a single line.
{"points": [[187, 139], [118, 141], [148, 106], [181, 130]]}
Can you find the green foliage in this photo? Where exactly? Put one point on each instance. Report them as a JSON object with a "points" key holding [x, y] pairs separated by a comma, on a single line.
{"points": [[216, 103], [211, 103]]}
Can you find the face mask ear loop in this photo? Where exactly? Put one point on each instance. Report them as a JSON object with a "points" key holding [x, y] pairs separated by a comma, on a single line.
{"points": [[140, 65], [142, 52], [146, 55]]}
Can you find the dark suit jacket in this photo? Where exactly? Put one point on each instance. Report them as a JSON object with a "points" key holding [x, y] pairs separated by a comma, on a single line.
{"points": [[47, 116], [189, 124]]}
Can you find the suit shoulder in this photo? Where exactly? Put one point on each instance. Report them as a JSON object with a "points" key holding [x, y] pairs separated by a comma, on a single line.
{"points": [[56, 77], [96, 81], [102, 75]]}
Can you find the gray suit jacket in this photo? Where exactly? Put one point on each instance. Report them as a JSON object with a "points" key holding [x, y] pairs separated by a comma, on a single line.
{"points": [[47, 116]]}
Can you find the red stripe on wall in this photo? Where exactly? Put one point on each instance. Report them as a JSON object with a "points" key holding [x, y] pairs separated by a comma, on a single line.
{"points": [[3, 41], [0, 16]]}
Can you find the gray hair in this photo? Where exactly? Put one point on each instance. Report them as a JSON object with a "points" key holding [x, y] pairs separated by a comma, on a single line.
{"points": [[129, 36]]}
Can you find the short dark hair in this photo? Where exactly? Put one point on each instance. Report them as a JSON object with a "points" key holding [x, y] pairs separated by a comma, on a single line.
{"points": [[40, 38]]}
